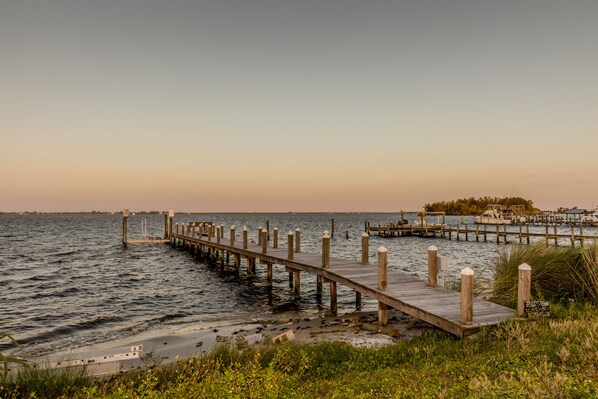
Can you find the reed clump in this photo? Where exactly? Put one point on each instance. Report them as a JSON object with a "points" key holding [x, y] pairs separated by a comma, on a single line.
{"points": [[558, 273]]}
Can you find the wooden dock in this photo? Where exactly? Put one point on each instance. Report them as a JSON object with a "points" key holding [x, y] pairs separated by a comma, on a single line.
{"points": [[478, 232], [457, 313]]}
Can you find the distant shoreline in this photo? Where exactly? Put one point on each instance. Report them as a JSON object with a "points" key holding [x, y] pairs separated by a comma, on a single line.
{"points": [[29, 213]]}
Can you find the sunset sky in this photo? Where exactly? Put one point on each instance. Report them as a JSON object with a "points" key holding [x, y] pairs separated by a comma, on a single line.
{"points": [[296, 105]]}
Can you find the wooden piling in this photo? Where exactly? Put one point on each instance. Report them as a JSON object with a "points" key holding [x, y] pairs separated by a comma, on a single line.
{"points": [[432, 266], [269, 274], [218, 234], [259, 236], [527, 233], [365, 238], [165, 225], [325, 250], [297, 282], [466, 296], [125, 223], [232, 235], [333, 300], [297, 240], [477, 232], [382, 284], [290, 245], [267, 230], [523, 287], [264, 241], [275, 238], [244, 237], [332, 228], [498, 234], [556, 239]]}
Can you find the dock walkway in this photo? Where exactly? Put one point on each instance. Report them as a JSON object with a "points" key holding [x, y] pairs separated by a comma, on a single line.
{"points": [[435, 305]]}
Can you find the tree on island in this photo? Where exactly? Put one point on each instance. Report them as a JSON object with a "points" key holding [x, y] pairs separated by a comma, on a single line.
{"points": [[475, 206]]}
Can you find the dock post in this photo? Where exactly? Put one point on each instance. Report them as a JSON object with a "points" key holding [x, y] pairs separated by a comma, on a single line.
{"points": [[264, 241], [170, 222], [210, 228], [466, 296], [498, 234], [520, 234], [527, 233], [259, 236], [267, 230], [275, 238], [485, 236], [290, 254], [297, 276], [165, 225], [572, 235], [232, 235], [466, 232], [458, 231], [581, 234], [450, 230], [524, 282], [477, 232], [546, 234], [333, 300], [332, 228], [505, 232], [221, 231], [382, 284], [269, 275], [432, 267], [244, 237], [556, 238], [325, 263], [218, 234], [365, 239], [290, 246], [125, 220], [297, 240]]}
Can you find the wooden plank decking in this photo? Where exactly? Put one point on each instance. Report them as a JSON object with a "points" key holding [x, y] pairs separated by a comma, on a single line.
{"points": [[437, 306]]}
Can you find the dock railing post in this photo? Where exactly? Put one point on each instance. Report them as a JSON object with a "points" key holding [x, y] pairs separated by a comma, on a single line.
{"points": [[165, 225], [332, 228], [325, 249], [232, 235], [264, 241], [524, 281], [290, 246], [432, 266], [297, 240], [125, 222], [466, 296], [382, 284], [275, 238], [259, 236], [244, 237], [218, 234], [170, 222], [365, 238], [210, 229]]}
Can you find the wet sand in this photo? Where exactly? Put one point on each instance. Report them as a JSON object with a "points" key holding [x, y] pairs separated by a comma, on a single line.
{"points": [[160, 348]]}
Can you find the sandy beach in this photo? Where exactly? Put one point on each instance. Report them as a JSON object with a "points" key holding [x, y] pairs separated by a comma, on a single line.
{"points": [[152, 349]]}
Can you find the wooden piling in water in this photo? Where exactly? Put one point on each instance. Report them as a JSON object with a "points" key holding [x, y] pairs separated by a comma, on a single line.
{"points": [[232, 235], [244, 237], [382, 284], [333, 299], [466, 308], [290, 245], [275, 238], [264, 241], [297, 240], [125, 223], [524, 281]]}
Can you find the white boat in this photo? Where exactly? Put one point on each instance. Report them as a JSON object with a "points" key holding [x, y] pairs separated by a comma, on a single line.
{"points": [[492, 216]]}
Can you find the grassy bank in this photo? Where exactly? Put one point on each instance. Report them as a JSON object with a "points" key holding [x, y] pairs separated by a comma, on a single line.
{"points": [[546, 358]]}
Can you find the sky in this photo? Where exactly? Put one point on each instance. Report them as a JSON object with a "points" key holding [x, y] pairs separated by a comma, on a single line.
{"points": [[258, 106]]}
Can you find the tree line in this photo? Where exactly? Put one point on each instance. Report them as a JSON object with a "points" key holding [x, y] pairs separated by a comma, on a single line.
{"points": [[475, 206]]}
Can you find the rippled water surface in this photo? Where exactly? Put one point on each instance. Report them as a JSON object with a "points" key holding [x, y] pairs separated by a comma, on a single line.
{"points": [[66, 281]]}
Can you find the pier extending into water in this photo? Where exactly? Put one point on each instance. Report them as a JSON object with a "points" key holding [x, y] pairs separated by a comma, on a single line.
{"points": [[482, 232], [458, 313]]}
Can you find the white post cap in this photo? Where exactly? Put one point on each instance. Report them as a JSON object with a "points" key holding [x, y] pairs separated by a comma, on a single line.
{"points": [[264, 231], [245, 228], [297, 229], [171, 213], [232, 227], [382, 249], [276, 228], [290, 233], [125, 212], [326, 234], [365, 235], [467, 272], [432, 248], [525, 266]]}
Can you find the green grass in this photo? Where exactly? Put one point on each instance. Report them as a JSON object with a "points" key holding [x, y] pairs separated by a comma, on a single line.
{"points": [[558, 273], [546, 358]]}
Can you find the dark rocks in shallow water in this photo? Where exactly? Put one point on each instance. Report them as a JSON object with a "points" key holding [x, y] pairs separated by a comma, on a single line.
{"points": [[285, 307]]}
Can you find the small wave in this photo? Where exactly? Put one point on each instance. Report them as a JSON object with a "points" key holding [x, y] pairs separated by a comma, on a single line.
{"points": [[69, 329]]}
